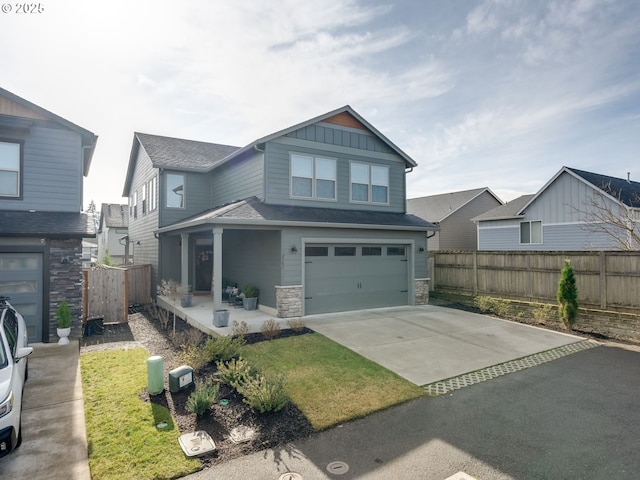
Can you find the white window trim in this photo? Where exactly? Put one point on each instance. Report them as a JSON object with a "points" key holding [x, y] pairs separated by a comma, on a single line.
{"points": [[531, 242], [313, 178], [18, 193], [370, 190], [184, 191]]}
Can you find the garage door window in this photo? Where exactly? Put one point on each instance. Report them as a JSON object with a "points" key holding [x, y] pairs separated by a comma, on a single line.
{"points": [[345, 252], [316, 251], [395, 251], [371, 251]]}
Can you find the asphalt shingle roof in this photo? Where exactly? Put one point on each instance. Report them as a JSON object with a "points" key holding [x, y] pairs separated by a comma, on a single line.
{"points": [[436, 208], [46, 224], [508, 210], [627, 191], [114, 215], [168, 152]]}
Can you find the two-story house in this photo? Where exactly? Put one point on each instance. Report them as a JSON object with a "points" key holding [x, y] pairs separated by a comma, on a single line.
{"points": [[113, 230], [452, 213], [43, 159], [314, 216], [575, 210]]}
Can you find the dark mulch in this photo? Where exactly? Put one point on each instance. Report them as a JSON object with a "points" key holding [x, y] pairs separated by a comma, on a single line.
{"points": [[271, 429]]}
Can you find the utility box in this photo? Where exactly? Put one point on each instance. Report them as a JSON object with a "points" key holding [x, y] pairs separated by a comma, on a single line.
{"points": [[180, 378], [155, 376]]}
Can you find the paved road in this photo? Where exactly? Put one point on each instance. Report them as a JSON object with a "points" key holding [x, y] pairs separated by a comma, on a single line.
{"points": [[577, 417]]}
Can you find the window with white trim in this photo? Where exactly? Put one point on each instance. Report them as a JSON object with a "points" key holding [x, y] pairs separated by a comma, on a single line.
{"points": [[531, 232], [313, 177], [175, 190], [10, 169], [152, 194], [369, 183]]}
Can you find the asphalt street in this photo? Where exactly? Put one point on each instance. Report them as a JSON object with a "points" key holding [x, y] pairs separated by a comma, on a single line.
{"points": [[577, 417]]}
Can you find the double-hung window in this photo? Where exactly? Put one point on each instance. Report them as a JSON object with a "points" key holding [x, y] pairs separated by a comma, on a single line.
{"points": [[175, 190], [531, 232], [313, 177], [10, 169], [369, 183]]}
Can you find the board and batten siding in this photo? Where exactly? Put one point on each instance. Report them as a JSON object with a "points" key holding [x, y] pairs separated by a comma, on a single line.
{"points": [[457, 231], [197, 197], [238, 179], [52, 169]]}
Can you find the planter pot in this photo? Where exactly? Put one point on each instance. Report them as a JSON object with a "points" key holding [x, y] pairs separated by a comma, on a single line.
{"points": [[63, 333], [250, 303], [220, 318], [185, 300]]}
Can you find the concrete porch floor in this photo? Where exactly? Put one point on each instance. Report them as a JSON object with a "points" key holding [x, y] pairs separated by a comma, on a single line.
{"points": [[200, 315]]}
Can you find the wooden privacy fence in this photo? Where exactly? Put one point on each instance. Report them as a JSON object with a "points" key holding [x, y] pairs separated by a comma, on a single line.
{"points": [[108, 291], [605, 280]]}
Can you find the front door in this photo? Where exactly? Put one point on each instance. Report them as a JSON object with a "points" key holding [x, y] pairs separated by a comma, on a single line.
{"points": [[204, 268]]}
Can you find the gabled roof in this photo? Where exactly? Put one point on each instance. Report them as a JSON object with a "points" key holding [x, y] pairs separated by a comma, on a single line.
{"points": [[507, 211], [437, 208], [45, 224], [27, 110], [190, 155], [114, 215], [252, 211]]}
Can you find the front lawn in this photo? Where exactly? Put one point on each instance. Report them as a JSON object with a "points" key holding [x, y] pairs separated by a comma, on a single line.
{"points": [[329, 383], [124, 442]]}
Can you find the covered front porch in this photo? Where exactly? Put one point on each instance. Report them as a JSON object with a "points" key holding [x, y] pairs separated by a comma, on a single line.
{"points": [[200, 315]]}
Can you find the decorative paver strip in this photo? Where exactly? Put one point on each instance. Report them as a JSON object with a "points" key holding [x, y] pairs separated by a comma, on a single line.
{"points": [[455, 383]]}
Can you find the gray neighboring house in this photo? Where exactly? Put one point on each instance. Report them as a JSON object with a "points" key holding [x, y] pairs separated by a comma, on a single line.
{"points": [[113, 233], [452, 213], [43, 159], [560, 217], [314, 216]]}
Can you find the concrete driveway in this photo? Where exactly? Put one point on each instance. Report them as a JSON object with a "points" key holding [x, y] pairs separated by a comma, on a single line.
{"points": [[425, 344]]}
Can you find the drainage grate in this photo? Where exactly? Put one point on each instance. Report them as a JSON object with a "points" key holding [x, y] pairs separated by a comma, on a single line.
{"points": [[444, 386], [338, 468]]}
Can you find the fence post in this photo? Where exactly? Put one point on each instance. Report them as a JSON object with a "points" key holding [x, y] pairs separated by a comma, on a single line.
{"points": [[126, 295], [603, 280], [475, 273], [85, 295]]}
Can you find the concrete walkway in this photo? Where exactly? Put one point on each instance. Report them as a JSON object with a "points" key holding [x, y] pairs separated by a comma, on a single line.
{"points": [[425, 344], [54, 441]]}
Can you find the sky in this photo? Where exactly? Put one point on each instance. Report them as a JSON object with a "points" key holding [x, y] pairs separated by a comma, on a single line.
{"points": [[494, 93]]}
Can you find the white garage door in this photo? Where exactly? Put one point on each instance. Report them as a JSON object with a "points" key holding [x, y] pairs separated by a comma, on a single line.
{"points": [[21, 280], [342, 277]]}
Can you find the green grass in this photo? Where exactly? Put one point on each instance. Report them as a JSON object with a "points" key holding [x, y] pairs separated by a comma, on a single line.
{"points": [[329, 383], [124, 442]]}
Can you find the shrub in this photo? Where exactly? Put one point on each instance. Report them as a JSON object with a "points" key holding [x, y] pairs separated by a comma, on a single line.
{"points": [[296, 324], [194, 355], [264, 394], [235, 372], [270, 329], [63, 315], [250, 291], [202, 397], [239, 329], [567, 296], [497, 306], [222, 348], [543, 313]]}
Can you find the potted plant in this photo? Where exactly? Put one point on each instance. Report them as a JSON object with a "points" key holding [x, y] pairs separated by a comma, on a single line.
{"points": [[187, 296], [250, 300], [63, 319]]}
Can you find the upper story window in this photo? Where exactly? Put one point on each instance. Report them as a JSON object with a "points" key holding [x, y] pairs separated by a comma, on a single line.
{"points": [[10, 167], [531, 232], [175, 190], [369, 183], [152, 194], [313, 177]]}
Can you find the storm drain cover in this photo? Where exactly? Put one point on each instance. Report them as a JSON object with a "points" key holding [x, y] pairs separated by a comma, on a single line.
{"points": [[196, 443], [242, 434], [338, 468], [290, 476]]}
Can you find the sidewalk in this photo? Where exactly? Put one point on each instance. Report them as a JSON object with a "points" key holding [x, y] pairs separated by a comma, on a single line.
{"points": [[54, 441]]}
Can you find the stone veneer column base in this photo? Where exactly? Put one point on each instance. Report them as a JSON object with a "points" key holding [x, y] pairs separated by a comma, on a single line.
{"points": [[421, 289], [289, 301]]}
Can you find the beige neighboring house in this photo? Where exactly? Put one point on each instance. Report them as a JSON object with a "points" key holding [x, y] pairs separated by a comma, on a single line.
{"points": [[113, 233], [452, 212]]}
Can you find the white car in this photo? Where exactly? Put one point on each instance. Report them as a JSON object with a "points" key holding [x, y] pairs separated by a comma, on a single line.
{"points": [[13, 373]]}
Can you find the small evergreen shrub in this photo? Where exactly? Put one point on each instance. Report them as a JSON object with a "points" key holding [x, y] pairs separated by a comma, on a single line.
{"points": [[202, 397], [235, 372], [222, 348], [63, 315], [497, 306], [270, 329], [567, 296], [194, 355], [264, 394]]}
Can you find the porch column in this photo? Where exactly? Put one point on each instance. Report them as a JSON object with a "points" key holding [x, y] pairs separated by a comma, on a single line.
{"points": [[184, 259], [216, 278]]}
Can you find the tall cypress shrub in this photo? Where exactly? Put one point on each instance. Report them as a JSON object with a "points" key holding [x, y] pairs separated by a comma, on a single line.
{"points": [[567, 296]]}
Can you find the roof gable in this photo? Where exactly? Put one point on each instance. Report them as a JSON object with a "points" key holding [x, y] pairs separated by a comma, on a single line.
{"points": [[507, 211], [114, 215], [436, 208]]}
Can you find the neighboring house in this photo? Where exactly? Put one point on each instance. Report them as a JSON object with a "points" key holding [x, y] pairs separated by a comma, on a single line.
{"points": [[452, 213], [113, 233], [566, 214], [313, 216], [43, 159], [89, 252]]}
